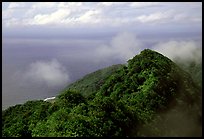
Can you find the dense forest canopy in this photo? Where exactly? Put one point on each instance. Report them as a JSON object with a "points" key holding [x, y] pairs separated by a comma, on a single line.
{"points": [[150, 96]]}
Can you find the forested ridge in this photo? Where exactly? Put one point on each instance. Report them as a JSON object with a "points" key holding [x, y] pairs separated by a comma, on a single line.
{"points": [[150, 96]]}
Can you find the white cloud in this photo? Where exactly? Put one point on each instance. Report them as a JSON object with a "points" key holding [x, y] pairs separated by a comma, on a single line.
{"points": [[143, 4], [51, 73], [7, 13], [40, 5], [16, 5], [180, 50], [12, 22], [184, 18], [91, 16], [160, 17], [107, 3], [123, 46], [70, 4], [54, 17], [13, 5], [99, 14], [169, 16]]}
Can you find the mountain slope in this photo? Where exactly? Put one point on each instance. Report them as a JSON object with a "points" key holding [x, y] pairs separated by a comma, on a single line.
{"points": [[153, 85], [151, 96], [92, 82], [194, 68]]}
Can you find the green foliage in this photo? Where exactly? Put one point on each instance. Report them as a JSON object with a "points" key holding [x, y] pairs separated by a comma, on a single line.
{"points": [[18, 119], [92, 82], [115, 101], [70, 99], [194, 68]]}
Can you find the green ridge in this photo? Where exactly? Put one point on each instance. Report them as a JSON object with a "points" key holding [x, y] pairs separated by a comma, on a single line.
{"points": [[92, 82], [151, 96]]}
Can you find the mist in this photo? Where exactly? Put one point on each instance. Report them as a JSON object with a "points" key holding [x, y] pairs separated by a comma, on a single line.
{"points": [[183, 51], [50, 73], [175, 122]]}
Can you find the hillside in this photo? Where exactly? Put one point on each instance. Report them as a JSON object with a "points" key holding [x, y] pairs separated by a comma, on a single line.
{"points": [[151, 96], [194, 68], [92, 82]]}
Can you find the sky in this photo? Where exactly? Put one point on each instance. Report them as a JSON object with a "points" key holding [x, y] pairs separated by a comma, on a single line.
{"points": [[31, 17], [115, 14], [47, 45]]}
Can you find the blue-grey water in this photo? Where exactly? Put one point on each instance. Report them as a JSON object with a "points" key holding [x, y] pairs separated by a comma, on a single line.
{"points": [[16, 58]]}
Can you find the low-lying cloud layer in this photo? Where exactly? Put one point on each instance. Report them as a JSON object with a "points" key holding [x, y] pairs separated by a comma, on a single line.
{"points": [[180, 50], [123, 46], [51, 73]]}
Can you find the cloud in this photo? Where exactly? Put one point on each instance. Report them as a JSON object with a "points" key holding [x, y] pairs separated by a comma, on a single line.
{"points": [[174, 122], [40, 5], [123, 46], [70, 4], [16, 5], [107, 3], [54, 17], [50, 73], [169, 16], [160, 17], [99, 14], [180, 50], [91, 16], [144, 4]]}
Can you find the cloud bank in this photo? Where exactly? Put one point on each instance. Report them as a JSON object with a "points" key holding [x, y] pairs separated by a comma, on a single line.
{"points": [[51, 73], [123, 47], [88, 13], [180, 50]]}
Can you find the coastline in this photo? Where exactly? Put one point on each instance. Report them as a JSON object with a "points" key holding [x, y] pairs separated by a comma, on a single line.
{"points": [[49, 98]]}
